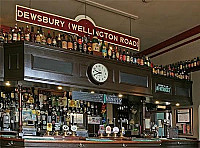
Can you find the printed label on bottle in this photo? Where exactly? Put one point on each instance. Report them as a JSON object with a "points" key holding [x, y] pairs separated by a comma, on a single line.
{"points": [[95, 47], [64, 44], [104, 52], [117, 55], [90, 48], [128, 58], [84, 47], [49, 41], [27, 37], [109, 52], [14, 37], [18, 36], [124, 57], [69, 45], [38, 39], [75, 46], [53, 42]]}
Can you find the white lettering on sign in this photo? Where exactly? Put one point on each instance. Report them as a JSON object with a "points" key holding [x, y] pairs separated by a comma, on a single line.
{"points": [[39, 18]]}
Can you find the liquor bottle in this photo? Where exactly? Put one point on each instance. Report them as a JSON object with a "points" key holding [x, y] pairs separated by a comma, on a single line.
{"points": [[22, 35], [10, 36], [80, 44], [43, 38], [95, 42], [195, 62], [103, 49], [131, 57], [32, 34], [1, 36], [89, 45], [85, 44], [59, 42], [124, 56], [75, 43], [6, 37], [38, 37], [142, 61], [27, 34], [120, 55], [113, 54], [117, 53], [49, 38], [14, 33], [64, 41], [69, 42], [127, 57], [110, 51], [53, 40], [19, 34], [198, 61]]}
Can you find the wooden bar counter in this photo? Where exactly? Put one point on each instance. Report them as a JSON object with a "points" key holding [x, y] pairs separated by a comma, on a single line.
{"points": [[145, 143]]}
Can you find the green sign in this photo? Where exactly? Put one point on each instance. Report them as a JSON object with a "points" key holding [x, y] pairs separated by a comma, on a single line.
{"points": [[163, 88]]}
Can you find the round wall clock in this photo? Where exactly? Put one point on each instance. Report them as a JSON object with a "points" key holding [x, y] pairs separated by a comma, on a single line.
{"points": [[97, 73]]}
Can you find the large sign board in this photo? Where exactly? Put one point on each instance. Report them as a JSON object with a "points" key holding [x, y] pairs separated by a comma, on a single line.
{"points": [[82, 25]]}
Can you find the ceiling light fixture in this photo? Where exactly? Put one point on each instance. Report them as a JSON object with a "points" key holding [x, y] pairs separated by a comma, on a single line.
{"points": [[167, 103], [177, 104], [60, 87], [157, 102], [120, 95], [7, 83], [107, 8], [92, 92]]}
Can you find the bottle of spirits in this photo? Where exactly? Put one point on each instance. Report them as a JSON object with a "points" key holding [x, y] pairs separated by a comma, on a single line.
{"points": [[120, 55], [22, 34], [1, 36], [75, 43], [49, 38], [80, 44], [131, 57], [110, 51], [59, 42], [113, 54], [103, 49], [95, 42], [32, 34], [117, 53], [6, 37], [19, 34], [54, 41], [14, 33], [69, 42], [124, 56], [43, 38], [64, 41], [10, 37], [27, 34], [127, 57], [85, 44], [89, 45], [38, 37]]}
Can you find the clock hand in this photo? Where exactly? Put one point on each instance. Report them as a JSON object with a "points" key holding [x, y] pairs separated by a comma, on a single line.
{"points": [[97, 73]]}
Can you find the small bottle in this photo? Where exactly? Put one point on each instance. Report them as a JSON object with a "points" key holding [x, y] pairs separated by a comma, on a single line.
{"points": [[110, 48], [14, 34], [120, 55], [95, 42], [131, 57], [5, 37], [80, 44], [38, 37], [32, 34], [10, 36], [127, 57], [69, 42], [19, 34], [75, 43], [124, 56], [43, 38], [103, 49], [53, 40], [64, 42], [1, 36], [22, 35], [49, 38], [27, 34], [59, 42], [113, 54], [117, 53], [89, 45], [85, 44]]}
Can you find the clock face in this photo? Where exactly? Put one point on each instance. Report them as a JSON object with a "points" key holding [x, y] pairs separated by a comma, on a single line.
{"points": [[99, 73]]}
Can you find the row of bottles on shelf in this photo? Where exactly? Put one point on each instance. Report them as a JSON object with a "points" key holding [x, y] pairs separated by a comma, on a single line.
{"points": [[84, 44], [89, 45]]}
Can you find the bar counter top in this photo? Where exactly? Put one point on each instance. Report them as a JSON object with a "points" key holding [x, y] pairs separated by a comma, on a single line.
{"points": [[95, 142]]}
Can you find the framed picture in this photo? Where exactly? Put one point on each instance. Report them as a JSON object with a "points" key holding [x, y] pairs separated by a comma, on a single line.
{"points": [[184, 121]]}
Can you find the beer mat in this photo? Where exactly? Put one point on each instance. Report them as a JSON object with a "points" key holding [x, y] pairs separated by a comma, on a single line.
{"points": [[99, 140]]}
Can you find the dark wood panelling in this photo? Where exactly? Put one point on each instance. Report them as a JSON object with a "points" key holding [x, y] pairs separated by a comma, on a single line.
{"points": [[1, 63], [78, 78]]}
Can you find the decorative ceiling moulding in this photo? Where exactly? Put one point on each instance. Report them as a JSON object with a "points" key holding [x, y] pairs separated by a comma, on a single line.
{"points": [[107, 8], [176, 40]]}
